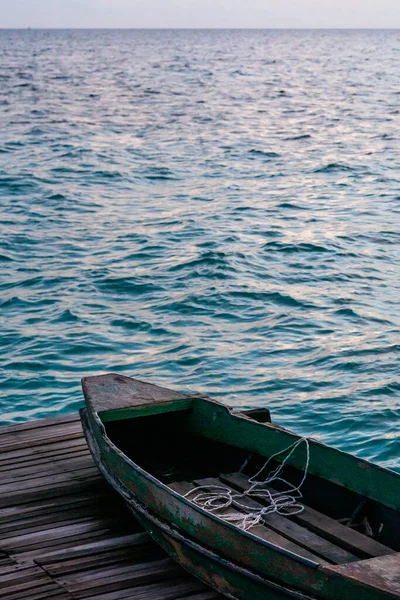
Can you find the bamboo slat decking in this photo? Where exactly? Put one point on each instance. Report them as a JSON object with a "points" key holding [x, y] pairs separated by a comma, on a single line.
{"points": [[64, 534]]}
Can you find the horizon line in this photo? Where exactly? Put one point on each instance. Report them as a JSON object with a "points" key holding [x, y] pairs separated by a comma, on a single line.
{"points": [[30, 27]]}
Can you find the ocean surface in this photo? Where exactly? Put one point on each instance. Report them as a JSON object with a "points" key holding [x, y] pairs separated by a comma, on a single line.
{"points": [[214, 211]]}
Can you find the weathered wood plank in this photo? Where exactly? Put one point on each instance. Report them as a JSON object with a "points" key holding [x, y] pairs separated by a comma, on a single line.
{"points": [[339, 534], [65, 521], [80, 550], [35, 507], [61, 526], [203, 596], [40, 593], [58, 594], [33, 553], [43, 479], [40, 461], [113, 573], [64, 532], [381, 571], [51, 449], [28, 582], [20, 573], [298, 534], [5, 560], [264, 532], [69, 486], [209, 595], [39, 423], [35, 585], [126, 555], [176, 589], [115, 392], [50, 480], [136, 576], [40, 519], [66, 465], [33, 433], [40, 438]]}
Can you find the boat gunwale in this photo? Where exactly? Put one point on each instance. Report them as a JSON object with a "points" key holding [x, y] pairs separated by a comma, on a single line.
{"points": [[358, 461], [237, 415], [296, 557]]}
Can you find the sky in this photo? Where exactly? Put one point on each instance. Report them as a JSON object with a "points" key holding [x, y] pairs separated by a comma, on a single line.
{"points": [[201, 13]]}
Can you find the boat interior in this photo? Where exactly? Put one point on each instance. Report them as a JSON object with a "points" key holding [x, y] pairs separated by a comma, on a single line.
{"points": [[337, 525]]}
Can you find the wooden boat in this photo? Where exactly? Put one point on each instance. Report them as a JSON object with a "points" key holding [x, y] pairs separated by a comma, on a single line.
{"points": [[154, 445]]}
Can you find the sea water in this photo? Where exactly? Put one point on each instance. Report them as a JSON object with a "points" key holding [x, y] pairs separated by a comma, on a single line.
{"points": [[213, 211]]}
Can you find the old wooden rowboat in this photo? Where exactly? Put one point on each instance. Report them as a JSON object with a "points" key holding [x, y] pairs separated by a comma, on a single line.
{"points": [[155, 445]]}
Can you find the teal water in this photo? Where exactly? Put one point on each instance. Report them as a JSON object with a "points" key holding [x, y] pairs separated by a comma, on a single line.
{"points": [[214, 211]]}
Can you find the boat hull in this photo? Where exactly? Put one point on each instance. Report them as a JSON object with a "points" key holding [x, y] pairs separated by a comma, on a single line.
{"points": [[240, 564], [224, 576]]}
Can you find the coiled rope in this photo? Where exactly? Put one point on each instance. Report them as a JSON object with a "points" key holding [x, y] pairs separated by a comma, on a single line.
{"points": [[219, 498]]}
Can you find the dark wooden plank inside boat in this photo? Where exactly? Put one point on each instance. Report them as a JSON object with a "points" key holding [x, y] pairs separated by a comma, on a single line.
{"points": [[262, 531], [304, 538], [327, 527], [154, 445]]}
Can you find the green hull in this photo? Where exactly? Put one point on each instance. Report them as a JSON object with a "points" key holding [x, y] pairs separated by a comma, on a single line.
{"points": [[236, 563], [224, 576]]}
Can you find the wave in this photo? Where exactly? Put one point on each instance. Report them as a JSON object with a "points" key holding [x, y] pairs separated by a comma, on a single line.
{"points": [[304, 136], [158, 219], [264, 153], [160, 173], [278, 298], [287, 248], [126, 285], [334, 168]]}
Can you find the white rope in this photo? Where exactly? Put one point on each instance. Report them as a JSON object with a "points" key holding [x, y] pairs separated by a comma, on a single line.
{"points": [[219, 498]]}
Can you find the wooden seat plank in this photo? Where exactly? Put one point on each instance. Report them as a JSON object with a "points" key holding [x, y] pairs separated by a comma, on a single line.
{"points": [[339, 534], [261, 531], [298, 534]]}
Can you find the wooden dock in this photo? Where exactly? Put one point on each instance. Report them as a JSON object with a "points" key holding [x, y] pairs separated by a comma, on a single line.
{"points": [[64, 534]]}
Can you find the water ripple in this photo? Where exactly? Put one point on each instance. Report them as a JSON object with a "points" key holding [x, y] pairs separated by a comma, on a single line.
{"points": [[210, 210]]}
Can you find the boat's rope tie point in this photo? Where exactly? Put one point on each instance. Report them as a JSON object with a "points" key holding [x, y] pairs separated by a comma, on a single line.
{"points": [[219, 498]]}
